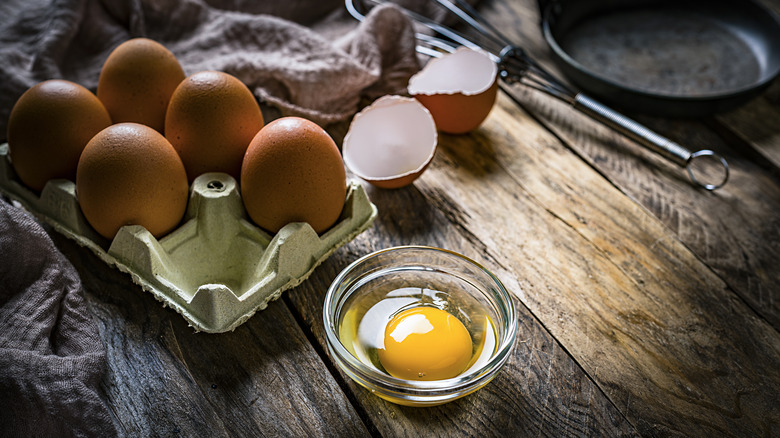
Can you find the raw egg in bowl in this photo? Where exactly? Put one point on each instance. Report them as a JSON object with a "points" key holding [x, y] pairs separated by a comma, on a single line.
{"points": [[419, 326]]}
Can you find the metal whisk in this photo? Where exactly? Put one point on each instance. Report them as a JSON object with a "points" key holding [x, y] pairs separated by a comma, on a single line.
{"points": [[516, 67]]}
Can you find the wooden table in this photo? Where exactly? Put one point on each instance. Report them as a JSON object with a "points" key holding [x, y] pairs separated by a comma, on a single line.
{"points": [[647, 306]]}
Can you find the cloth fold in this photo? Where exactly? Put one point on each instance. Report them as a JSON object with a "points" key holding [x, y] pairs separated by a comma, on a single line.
{"points": [[287, 65], [51, 356]]}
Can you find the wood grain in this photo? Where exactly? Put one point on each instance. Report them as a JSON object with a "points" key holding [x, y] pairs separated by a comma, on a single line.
{"points": [[728, 229], [164, 379], [753, 123], [633, 306], [541, 390]]}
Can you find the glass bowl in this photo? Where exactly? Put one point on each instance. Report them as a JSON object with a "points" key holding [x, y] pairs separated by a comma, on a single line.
{"points": [[370, 291]]}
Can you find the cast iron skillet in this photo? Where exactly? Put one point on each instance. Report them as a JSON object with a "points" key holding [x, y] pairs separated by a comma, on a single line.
{"points": [[680, 58]]}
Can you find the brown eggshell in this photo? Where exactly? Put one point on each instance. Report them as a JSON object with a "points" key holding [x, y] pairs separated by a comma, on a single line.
{"points": [[459, 89], [459, 113], [48, 128], [137, 80], [129, 174], [211, 119], [391, 142], [293, 172]]}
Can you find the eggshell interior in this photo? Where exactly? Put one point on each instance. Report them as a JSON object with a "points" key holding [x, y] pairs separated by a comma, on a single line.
{"points": [[465, 71], [394, 138]]}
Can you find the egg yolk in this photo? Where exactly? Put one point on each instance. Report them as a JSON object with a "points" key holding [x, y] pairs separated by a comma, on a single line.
{"points": [[425, 343]]}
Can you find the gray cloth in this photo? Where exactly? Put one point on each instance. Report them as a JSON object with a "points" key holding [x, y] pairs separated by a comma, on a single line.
{"points": [[51, 357], [318, 75], [51, 354]]}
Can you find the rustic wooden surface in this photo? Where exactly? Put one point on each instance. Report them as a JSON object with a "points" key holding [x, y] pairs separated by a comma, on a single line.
{"points": [[647, 307]]}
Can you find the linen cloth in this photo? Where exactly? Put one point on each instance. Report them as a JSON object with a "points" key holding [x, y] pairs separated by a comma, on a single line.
{"points": [[286, 64], [304, 58], [51, 354]]}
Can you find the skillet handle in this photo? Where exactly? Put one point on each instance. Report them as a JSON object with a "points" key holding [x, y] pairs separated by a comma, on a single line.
{"points": [[653, 141]]}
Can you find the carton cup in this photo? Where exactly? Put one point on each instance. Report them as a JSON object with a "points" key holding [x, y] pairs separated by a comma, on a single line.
{"points": [[217, 268]]}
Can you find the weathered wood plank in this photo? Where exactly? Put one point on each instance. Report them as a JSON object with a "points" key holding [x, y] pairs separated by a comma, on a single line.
{"points": [[164, 379], [671, 345], [753, 123], [732, 230], [541, 391]]}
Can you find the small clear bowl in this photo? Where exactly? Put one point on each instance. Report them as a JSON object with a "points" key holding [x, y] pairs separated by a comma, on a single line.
{"points": [[446, 280]]}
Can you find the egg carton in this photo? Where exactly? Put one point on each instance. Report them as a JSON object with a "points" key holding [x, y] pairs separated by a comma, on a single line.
{"points": [[217, 268]]}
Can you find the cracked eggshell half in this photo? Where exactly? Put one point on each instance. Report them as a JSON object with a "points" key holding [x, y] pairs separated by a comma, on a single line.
{"points": [[459, 89], [391, 142]]}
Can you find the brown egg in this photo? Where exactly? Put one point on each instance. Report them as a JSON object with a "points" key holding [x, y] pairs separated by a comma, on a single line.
{"points": [[210, 121], [137, 80], [293, 172], [48, 128], [129, 174]]}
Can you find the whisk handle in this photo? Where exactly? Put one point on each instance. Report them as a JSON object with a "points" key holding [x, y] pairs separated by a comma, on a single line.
{"points": [[632, 129], [652, 140]]}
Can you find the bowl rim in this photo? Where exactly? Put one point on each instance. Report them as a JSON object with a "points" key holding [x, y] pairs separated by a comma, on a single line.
{"points": [[423, 390]]}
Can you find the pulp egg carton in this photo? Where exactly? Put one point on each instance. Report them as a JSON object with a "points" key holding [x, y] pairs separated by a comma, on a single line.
{"points": [[217, 269]]}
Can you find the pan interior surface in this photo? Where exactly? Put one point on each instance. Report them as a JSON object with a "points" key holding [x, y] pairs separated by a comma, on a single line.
{"points": [[666, 51]]}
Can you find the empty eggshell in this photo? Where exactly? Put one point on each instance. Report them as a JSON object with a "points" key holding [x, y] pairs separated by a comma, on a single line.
{"points": [[459, 89], [391, 142]]}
